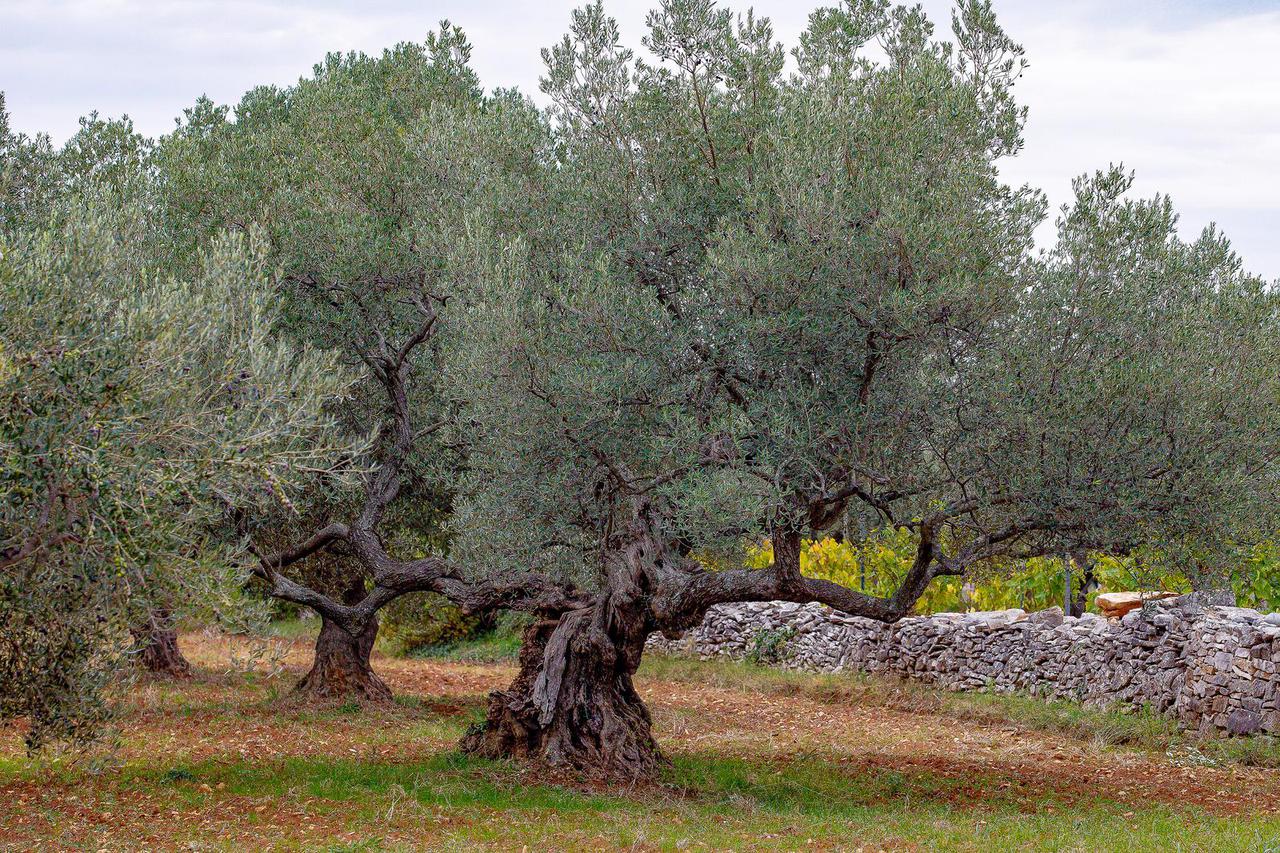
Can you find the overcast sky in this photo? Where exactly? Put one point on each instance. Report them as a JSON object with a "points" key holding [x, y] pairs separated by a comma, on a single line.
{"points": [[1185, 92]]}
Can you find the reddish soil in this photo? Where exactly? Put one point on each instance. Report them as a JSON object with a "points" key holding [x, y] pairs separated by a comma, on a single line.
{"points": [[222, 716]]}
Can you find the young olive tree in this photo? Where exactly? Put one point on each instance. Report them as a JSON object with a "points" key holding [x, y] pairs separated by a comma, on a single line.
{"points": [[103, 155], [110, 154], [1133, 377], [771, 303], [133, 408], [364, 177]]}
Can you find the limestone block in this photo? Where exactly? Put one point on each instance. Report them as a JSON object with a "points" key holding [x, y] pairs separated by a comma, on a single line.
{"points": [[1116, 604]]}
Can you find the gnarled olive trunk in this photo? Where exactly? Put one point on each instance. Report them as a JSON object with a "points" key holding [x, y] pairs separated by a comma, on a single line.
{"points": [[341, 667], [573, 704], [158, 646]]}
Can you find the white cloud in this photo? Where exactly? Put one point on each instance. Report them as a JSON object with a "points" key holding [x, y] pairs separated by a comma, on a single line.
{"points": [[1194, 111], [1185, 93]]}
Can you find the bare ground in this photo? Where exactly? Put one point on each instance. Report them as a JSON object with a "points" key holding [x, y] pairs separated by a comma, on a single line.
{"points": [[229, 761]]}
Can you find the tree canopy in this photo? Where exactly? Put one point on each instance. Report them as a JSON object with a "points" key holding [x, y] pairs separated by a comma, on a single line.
{"points": [[136, 409], [818, 298]]}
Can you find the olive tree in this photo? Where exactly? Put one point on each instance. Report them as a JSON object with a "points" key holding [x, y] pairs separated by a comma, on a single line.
{"points": [[364, 177], [28, 176], [1133, 375], [110, 155], [134, 407], [774, 302]]}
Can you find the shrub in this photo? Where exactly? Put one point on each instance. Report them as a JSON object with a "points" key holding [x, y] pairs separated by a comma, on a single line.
{"points": [[877, 564], [767, 646], [416, 622]]}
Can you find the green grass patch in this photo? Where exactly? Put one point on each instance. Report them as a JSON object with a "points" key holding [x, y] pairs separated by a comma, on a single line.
{"points": [[498, 646], [713, 800], [1138, 727], [1254, 751], [295, 628]]}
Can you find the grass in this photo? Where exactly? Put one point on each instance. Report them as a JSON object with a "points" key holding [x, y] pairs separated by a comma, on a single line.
{"points": [[705, 801], [489, 647], [295, 628], [1139, 728], [1259, 751], [760, 759]]}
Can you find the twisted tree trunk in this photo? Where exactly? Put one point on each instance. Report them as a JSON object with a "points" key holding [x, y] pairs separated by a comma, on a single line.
{"points": [[1088, 584], [573, 704], [158, 641], [341, 667]]}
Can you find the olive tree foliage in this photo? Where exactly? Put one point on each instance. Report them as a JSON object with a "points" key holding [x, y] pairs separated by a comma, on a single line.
{"points": [[28, 180], [107, 155], [133, 407], [35, 176], [1133, 383], [774, 302], [365, 178]]}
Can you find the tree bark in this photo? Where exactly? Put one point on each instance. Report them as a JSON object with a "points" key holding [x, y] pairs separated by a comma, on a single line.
{"points": [[1088, 584], [573, 705], [341, 668], [158, 640]]}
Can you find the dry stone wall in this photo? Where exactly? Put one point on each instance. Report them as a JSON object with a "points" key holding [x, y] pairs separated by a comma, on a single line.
{"points": [[1212, 668]]}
